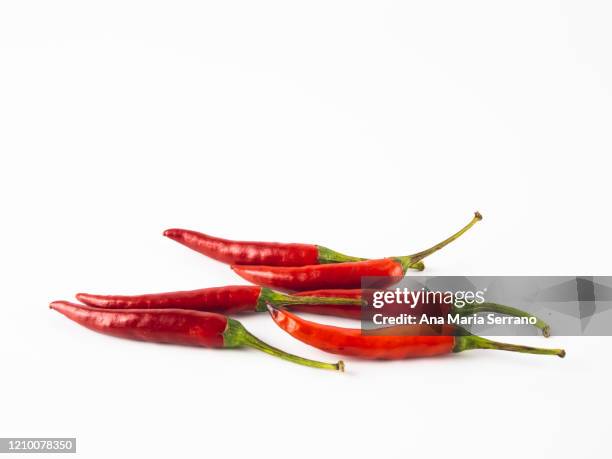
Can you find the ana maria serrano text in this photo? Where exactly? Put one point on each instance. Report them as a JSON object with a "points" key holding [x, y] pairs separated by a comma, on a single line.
{"points": [[422, 300]]}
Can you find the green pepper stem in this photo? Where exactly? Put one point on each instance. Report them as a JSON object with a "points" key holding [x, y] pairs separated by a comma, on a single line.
{"points": [[237, 336], [502, 309], [417, 265], [326, 256], [280, 299], [465, 343], [408, 260]]}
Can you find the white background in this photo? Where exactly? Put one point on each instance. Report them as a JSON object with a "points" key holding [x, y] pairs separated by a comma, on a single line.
{"points": [[374, 128]]}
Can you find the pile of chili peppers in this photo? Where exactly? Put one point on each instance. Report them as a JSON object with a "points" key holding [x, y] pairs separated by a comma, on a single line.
{"points": [[298, 277]]}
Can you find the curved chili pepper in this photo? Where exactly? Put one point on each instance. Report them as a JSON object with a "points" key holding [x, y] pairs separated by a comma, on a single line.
{"points": [[262, 253], [351, 341], [227, 300], [249, 298], [354, 311], [176, 326], [339, 275]]}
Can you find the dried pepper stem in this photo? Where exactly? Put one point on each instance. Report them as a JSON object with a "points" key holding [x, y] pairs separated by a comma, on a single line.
{"points": [[464, 343], [238, 336], [506, 310]]}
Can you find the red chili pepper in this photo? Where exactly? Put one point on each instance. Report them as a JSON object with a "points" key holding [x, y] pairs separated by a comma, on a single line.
{"points": [[339, 275], [249, 298], [388, 346], [176, 326], [262, 253], [227, 300]]}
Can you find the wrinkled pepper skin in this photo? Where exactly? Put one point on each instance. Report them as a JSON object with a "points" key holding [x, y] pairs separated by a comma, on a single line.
{"points": [[177, 326], [246, 252], [173, 326], [320, 277], [346, 275], [230, 299], [288, 254], [235, 299], [226, 300]]}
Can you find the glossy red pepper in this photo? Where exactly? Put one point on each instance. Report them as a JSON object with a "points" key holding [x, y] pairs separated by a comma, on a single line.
{"points": [[227, 300], [354, 311], [339, 275], [262, 253], [176, 326], [390, 344], [249, 298]]}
